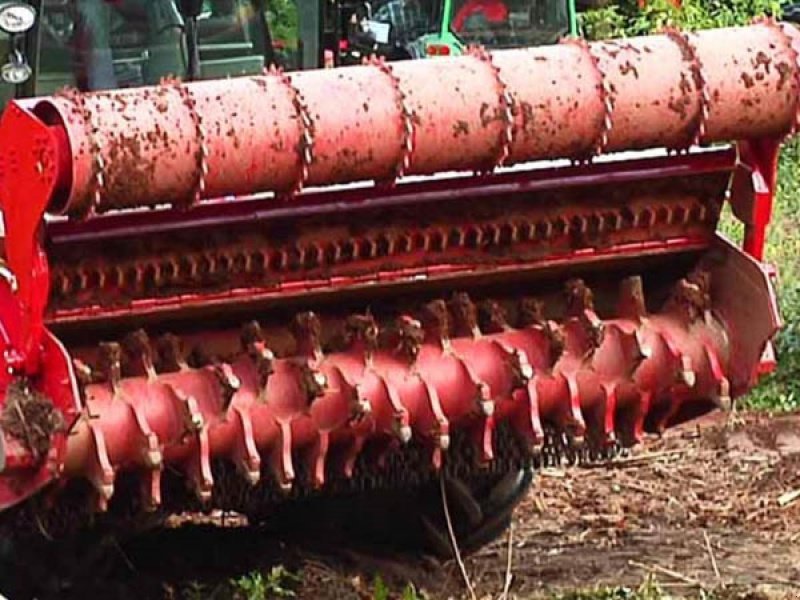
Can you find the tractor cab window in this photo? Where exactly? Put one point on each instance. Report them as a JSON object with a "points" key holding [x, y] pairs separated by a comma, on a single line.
{"points": [[510, 23], [409, 19], [102, 44]]}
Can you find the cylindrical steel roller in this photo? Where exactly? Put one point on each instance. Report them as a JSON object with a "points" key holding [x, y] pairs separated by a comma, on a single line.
{"points": [[177, 143]]}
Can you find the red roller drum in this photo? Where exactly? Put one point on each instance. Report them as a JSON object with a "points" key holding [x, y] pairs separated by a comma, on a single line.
{"points": [[177, 143]]}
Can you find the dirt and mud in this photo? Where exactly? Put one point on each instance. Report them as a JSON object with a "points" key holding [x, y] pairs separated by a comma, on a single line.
{"points": [[714, 503]]}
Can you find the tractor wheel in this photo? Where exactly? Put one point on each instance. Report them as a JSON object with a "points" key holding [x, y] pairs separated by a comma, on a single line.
{"points": [[480, 510], [479, 514]]}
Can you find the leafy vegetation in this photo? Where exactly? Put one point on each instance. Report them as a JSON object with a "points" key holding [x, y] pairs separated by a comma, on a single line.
{"points": [[278, 583], [283, 23], [780, 391], [380, 591], [648, 590], [625, 18]]}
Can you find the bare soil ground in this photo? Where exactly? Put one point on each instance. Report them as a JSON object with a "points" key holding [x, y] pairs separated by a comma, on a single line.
{"points": [[708, 505]]}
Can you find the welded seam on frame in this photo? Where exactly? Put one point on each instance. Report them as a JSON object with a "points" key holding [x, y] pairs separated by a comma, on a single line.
{"points": [[606, 98], [88, 209], [684, 41], [506, 102], [408, 142], [190, 103], [306, 129]]}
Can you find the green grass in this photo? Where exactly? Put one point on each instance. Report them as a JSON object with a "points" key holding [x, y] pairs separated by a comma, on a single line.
{"points": [[278, 583], [781, 391], [649, 590]]}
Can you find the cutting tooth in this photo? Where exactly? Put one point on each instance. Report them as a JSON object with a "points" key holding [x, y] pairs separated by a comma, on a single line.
{"points": [[436, 322], [198, 467], [351, 454], [575, 425], [691, 296], [531, 314], [493, 317], [522, 370], [282, 462], [631, 304], [580, 305], [532, 426], [465, 315], [313, 382], [111, 363], [685, 372], [101, 473], [361, 334], [441, 426], [641, 351], [722, 396], [642, 409], [360, 406], [246, 456], [172, 353], [317, 458], [150, 452], [201, 357], [148, 441], [228, 381], [255, 345], [409, 337], [609, 423], [400, 418], [579, 297], [140, 352], [83, 371], [307, 331], [150, 489]]}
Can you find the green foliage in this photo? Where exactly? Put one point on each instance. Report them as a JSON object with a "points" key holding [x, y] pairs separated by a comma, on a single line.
{"points": [[625, 18], [255, 586], [282, 19], [411, 593], [380, 591], [195, 591], [649, 590]]}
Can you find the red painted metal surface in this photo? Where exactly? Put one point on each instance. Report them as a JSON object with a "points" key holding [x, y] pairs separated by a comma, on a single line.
{"points": [[753, 191]]}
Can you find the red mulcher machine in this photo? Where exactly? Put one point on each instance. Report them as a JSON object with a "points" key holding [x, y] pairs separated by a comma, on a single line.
{"points": [[252, 293]]}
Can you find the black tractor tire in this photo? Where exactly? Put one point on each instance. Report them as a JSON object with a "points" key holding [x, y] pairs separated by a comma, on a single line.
{"points": [[479, 514], [480, 510]]}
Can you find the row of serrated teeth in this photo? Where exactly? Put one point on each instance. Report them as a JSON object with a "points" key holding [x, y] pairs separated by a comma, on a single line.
{"points": [[183, 268], [455, 364]]}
